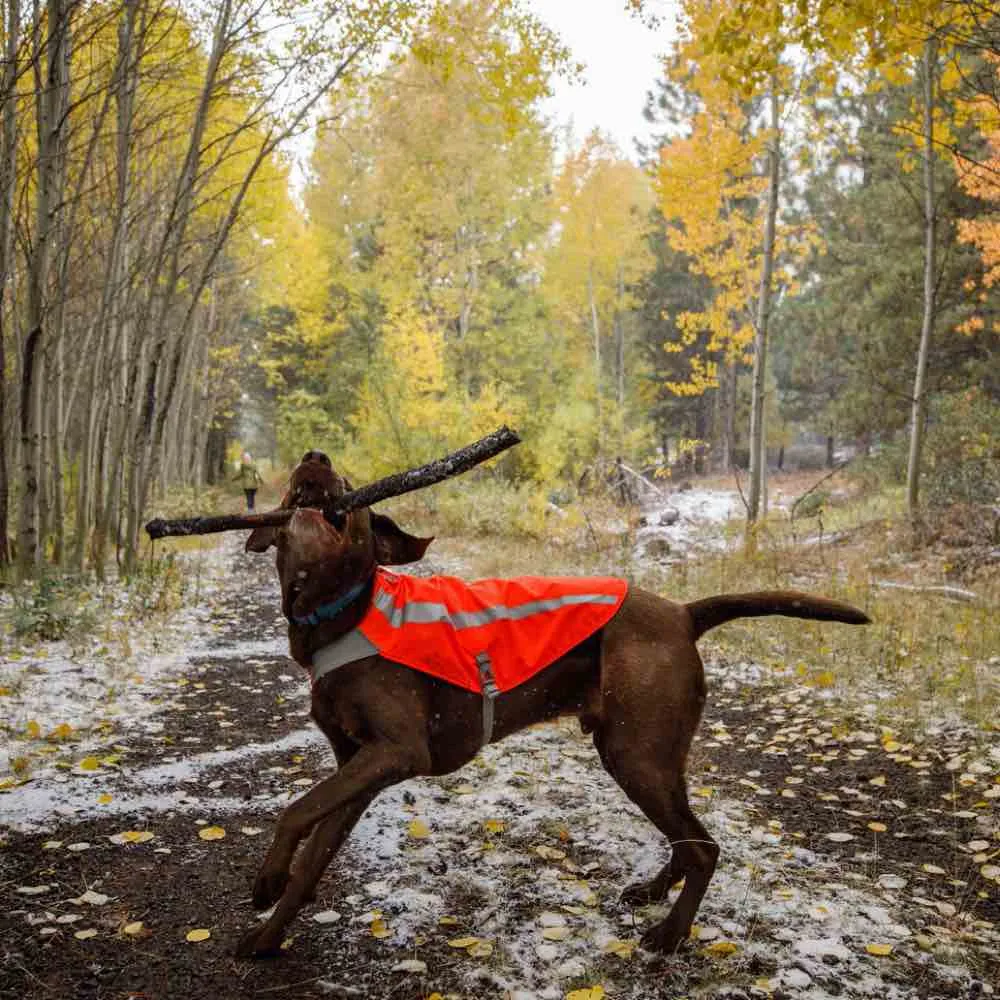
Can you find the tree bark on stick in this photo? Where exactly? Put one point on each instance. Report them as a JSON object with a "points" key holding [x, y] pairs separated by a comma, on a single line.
{"points": [[391, 486]]}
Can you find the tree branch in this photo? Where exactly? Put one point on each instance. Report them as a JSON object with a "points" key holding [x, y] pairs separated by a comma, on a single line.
{"points": [[391, 486]]}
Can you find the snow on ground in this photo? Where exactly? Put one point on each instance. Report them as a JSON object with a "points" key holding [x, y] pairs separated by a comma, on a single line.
{"points": [[701, 523], [523, 854]]}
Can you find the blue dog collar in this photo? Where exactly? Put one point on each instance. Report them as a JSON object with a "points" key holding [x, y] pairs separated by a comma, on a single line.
{"points": [[325, 612]]}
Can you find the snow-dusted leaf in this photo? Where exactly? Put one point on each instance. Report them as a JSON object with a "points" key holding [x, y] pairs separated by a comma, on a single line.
{"points": [[91, 897], [418, 829], [133, 929], [840, 837], [132, 837], [198, 934], [326, 917], [211, 833], [483, 949], [410, 965], [623, 949], [379, 928], [81, 845], [991, 872], [85, 934], [549, 853], [463, 942], [889, 881], [494, 825], [556, 933], [588, 993], [69, 918], [877, 827], [933, 869], [33, 890]]}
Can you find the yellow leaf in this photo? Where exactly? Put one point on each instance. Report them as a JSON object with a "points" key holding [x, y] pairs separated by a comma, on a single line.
{"points": [[62, 732], [104, 798], [495, 826], [589, 993], [131, 837], [825, 679], [33, 730], [556, 933], [549, 853], [447, 921], [623, 949], [133, 928], [211, 833], [418, 829], [720, 949], [463, 942], [878, 782], [481, 950], [878, 827], [379, 928], [891, 746], [198, 934], [89, 764], [881, 950]]}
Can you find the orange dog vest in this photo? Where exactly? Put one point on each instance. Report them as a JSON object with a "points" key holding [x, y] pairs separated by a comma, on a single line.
{"points": [[486, 636]]}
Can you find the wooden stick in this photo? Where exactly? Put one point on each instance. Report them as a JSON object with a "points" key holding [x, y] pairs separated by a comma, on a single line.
{"points": [[391, 486]]}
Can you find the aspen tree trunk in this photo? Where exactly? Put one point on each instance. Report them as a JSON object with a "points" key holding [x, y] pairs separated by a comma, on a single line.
{"points": [[51, 121], [757, 455], [620, 342], [8, 163], [596, 328], [918, 413]]}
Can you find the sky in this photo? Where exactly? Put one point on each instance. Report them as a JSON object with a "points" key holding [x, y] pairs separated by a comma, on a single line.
{"points": [[622, 63]]}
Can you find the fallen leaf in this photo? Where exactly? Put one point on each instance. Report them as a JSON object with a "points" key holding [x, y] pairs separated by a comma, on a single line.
{"points": [[495, 826], [418, 829], [463, 942], [85, 934], [933, 870], [878, 827], [720, 949], [88, 764], [549, 853], [840, 838], [879, 950], [447, 921], [104, 798], [410, 965], [131, 837], [32, 890], [623, 949], [33, 730], [133, 928], [589, 993], [91, 897], [379, 928], [481, 950], [211, 833], [198, 934], [556, 933], [326, 917]]}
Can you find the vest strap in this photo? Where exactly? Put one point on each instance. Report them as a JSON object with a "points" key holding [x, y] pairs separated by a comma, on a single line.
{"points": [[490, 692]]}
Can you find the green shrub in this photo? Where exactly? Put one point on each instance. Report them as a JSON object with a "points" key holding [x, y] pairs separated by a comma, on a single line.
{"points": [[52, 608]]}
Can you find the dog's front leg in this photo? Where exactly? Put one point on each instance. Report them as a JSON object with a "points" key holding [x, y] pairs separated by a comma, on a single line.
{"points": [[336, 804]]}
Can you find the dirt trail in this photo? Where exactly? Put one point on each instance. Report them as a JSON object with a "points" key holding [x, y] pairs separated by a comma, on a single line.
{"points": [[523, 854]]}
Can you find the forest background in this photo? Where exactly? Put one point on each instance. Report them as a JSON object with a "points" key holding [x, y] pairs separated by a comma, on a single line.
{"points": [[801, 266]]}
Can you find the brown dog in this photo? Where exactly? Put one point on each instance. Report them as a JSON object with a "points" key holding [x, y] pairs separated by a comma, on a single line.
{"points": [[638, 686]]}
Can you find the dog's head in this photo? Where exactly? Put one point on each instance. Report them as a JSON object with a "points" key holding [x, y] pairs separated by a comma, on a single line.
{"points": [[320, 560]]}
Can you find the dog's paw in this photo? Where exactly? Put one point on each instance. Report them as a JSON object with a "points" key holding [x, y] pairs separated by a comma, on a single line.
{"points": [[256, 943], [642, 893], [268, 888], [665, 938]]}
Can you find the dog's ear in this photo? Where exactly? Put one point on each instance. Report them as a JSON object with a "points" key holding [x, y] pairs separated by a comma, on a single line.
{"points": [[393, 546], [261, 539]]}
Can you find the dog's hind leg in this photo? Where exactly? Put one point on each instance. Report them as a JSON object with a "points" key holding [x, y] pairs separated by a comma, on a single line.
{"points": [[647, 760], [325, 840]]}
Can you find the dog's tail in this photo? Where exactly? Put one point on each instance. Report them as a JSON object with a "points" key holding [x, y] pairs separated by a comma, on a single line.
{"points": [[712, 611]]}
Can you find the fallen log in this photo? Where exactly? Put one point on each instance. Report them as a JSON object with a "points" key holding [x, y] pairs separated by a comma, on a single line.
{"points": [[382, 489]]}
